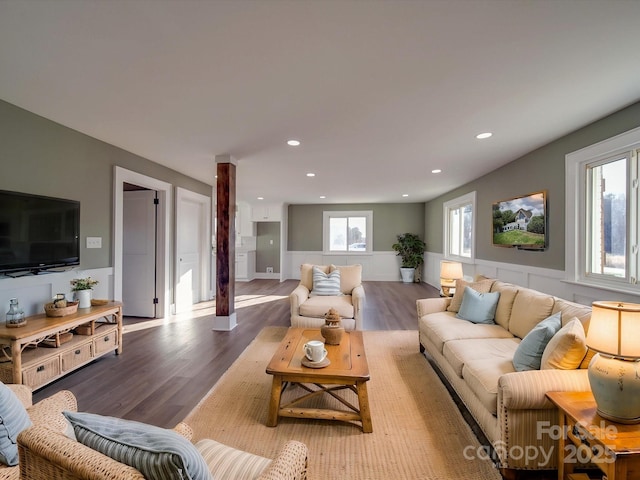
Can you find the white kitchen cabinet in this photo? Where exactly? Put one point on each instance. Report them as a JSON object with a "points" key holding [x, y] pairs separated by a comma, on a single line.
{"points": [[244, 224], [245, 265], [266, 213]]}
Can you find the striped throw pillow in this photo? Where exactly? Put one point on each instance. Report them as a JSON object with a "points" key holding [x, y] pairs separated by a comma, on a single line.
{"points": [[153, 451], [325, 283], [13, 419]]}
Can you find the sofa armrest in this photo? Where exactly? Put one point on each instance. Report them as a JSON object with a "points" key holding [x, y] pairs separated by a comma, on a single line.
{"points": [[290, 463], [358, 299], [48, 412], [297, 298], [22, 392], [44, 455], [527, 390], [432, 305]]}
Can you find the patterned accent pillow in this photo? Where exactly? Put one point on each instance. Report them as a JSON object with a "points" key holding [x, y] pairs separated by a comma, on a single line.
{"points": [[13, 419], [483, 286], [155, 452], [325, 283]]}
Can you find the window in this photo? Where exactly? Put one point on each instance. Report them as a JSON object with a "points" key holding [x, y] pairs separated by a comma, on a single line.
{"points": [[602, 195], [459, 227], [347, 232]]}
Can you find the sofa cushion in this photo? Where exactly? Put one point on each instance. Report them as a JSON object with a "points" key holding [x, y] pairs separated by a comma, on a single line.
{"points": [[571, 310], [156, 452], [306, 274], [567, 348], [325, 284], [460, 352], [482, 378], [529, 308], [228, 462], [478, 307], [350, 277], [13, 419], [483, 286], [442, 327], [528, 355], [505, 302], [319, 305]]}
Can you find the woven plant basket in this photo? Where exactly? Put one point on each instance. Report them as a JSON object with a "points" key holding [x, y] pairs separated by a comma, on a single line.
{"points": [[51, 311]]}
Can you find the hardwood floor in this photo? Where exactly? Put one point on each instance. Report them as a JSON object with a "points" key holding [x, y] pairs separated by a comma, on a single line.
{"points": [[168, 365]]}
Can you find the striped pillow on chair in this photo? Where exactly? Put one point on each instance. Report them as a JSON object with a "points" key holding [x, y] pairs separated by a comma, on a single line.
{"points": [[327, 284]]}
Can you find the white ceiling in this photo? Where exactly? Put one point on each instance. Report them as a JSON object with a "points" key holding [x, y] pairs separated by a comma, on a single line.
{"points": [[380, 92]]}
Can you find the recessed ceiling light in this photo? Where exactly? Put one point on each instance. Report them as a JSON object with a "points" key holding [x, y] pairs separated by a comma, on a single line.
{"points": [[293, 143], [405, 194], [436, 170], [311, 174], [260, 198], [323, 196], [482, 136]]}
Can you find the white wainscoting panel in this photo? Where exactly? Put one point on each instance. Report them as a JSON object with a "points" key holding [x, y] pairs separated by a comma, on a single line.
{"points": [[544, 280], [33, 291], [380, 266]]}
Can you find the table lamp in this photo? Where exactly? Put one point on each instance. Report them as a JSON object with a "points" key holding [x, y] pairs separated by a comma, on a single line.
{"points": [[614, 372], [449, 273]]}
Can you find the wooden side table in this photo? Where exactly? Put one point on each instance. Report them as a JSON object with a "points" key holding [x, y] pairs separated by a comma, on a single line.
{"points": [[587, 437]]}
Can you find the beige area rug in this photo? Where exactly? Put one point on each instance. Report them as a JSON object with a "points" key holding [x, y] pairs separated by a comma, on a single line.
{"points": [[418, 432]]}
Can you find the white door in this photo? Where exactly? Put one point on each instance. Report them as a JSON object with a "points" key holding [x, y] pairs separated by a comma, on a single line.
{"points": [[189, 245], [139, 253]]}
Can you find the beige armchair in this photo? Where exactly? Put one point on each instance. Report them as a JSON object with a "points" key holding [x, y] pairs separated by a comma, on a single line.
{"points": [[308, 311]]}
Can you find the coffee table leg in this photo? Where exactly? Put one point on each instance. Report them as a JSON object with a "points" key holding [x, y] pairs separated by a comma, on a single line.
{"points": [[365, 412], [274, 402]]}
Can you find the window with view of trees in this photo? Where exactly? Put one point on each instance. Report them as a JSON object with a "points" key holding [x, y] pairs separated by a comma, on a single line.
{"points": [[347, 231], [602, 193], [459, 227]]}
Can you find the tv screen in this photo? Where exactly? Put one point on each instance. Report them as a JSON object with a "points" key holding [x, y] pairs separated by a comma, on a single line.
{"points": [[38, 233], [521, 222]]}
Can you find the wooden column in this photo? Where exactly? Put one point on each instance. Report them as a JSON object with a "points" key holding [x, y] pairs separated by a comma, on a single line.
{"points": [[225, 243]]}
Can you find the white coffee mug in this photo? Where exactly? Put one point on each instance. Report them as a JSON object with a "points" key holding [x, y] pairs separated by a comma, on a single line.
{"points": [[314, 350]]}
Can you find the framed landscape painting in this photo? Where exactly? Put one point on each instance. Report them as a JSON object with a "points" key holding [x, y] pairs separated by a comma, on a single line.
{"points": [[521, 222]]}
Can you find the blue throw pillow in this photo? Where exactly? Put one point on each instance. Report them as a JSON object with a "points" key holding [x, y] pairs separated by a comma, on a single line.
{"points": [[528, 355], [153, 451], [478, 307], [13, 419]]}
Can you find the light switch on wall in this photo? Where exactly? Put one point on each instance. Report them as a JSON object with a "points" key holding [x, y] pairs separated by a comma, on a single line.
{"points": [[94, 242]]}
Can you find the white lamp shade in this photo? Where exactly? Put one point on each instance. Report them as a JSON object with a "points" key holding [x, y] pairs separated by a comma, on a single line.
{"points": [[450, 271], [614, 329]]}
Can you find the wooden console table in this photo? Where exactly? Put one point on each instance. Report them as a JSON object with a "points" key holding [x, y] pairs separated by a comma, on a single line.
{"points": [[613, 447], [24, 358]]}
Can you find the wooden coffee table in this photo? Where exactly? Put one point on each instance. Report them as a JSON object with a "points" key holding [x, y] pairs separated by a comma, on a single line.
{"points": [[348, 370]]}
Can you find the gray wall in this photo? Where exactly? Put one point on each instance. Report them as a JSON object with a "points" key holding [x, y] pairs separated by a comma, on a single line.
{"points": [[542, 169], [268, 246], [389, 220], [45, 158]]}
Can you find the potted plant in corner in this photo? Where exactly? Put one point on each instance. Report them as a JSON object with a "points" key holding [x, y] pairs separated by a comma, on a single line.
{"points": [[410, 249]]}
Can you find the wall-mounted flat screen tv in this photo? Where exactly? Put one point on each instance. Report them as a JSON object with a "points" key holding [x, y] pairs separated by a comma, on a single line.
{"points": [[38, 233], [521, 222]]}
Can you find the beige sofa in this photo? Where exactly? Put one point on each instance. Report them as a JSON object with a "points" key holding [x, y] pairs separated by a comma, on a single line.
{"points": [[307, 311], [47, 453], [477, 360]]}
